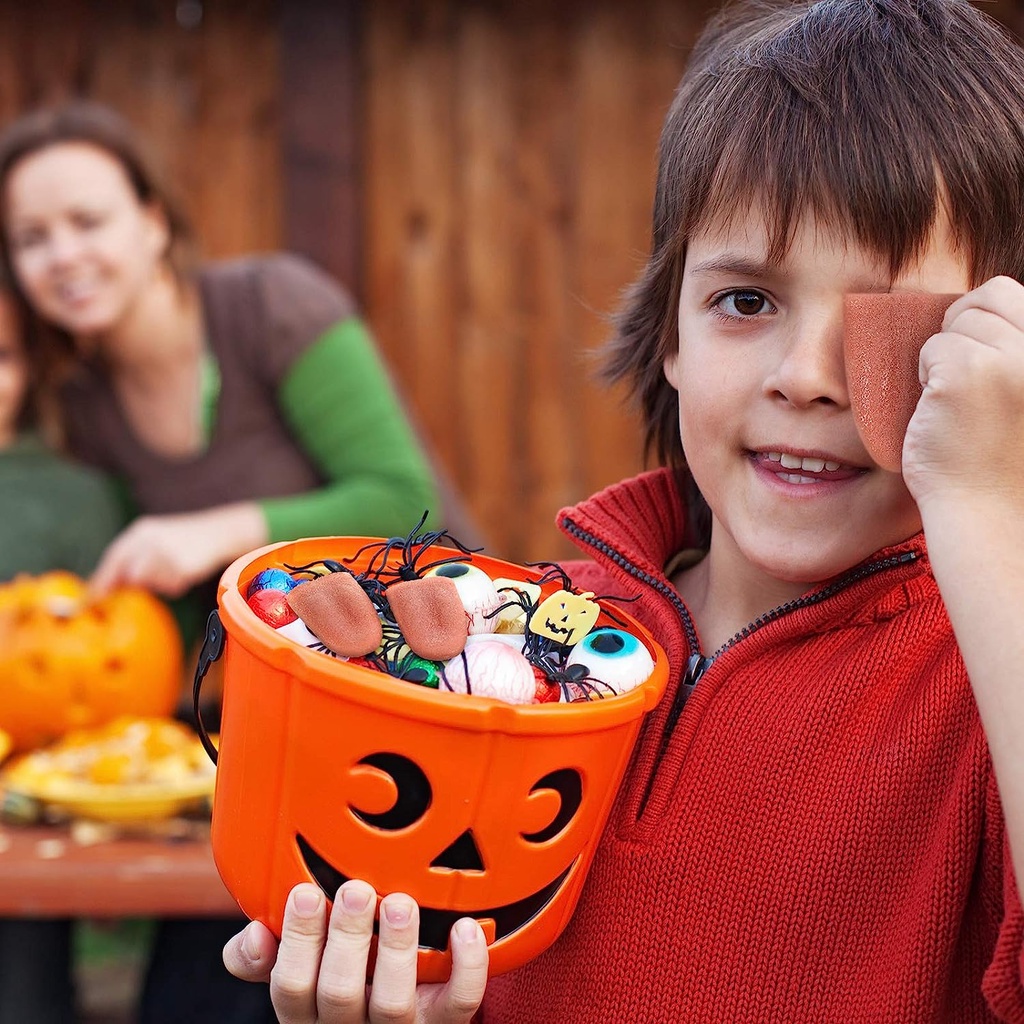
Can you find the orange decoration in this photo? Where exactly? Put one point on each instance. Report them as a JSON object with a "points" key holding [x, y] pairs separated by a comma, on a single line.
{"points": [[69, 662]]}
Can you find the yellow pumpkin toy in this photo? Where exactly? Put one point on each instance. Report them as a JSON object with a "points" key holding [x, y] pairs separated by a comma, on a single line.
{"points": [[68, 661]]}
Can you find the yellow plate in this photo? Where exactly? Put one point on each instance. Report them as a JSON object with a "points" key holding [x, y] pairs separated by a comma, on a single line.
{"points": [[110, 802]]}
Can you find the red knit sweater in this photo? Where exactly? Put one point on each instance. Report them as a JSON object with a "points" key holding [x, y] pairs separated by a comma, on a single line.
{"points": [[818, 836]]}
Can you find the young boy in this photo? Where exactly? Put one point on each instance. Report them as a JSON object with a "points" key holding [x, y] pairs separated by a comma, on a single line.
{"points": [[812, 826]]}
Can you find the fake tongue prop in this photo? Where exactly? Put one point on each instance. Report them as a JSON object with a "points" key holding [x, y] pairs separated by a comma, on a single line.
{"points": [[882, 340]]}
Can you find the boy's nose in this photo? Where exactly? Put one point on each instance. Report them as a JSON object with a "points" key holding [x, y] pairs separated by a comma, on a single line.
{"points": [[809, 367]]}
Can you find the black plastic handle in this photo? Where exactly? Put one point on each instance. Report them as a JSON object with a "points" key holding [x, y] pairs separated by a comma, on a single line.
{"points": [[212, 649]]}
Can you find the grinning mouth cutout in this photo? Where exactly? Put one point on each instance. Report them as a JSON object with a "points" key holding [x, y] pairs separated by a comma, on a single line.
{"points": [[435, 925]]}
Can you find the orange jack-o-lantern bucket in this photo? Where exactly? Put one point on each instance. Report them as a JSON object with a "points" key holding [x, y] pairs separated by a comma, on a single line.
{"points": [[474, 807]]}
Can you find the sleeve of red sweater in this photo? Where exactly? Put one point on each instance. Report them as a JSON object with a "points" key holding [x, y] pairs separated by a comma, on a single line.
{"points": [[1003, 986]]}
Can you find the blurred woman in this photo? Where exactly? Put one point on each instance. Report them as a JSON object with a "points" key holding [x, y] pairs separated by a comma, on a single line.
{"points": [[239, 402]]}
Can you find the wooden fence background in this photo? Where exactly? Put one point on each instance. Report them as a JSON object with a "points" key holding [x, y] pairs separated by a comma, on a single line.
{"points": [[479, 172]]}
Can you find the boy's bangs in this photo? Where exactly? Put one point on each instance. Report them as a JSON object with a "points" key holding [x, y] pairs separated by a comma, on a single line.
{"points": [[787, 155]]}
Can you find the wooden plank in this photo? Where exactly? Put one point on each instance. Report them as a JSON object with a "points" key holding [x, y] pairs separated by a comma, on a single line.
{"points": [[45, 873], [552, 433], [320, 134], [491, 372], [628, 70], [412, 250]]}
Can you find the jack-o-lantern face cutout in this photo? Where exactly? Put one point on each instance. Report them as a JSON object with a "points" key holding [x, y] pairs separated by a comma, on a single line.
{"points": [[551, 805]]}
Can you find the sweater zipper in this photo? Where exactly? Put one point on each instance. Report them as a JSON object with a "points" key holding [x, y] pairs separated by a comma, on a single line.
{"points": [[697, 664]]}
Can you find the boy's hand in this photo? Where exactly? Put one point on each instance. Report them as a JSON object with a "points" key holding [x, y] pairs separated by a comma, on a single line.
{"points": [[318, 973], [962, 450]]}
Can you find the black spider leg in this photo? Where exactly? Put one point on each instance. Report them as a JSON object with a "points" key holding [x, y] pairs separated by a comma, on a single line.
{"points": [[554, 572], [391, 648], [328, 563], [521, 601], [611, 615], [465, 671]]}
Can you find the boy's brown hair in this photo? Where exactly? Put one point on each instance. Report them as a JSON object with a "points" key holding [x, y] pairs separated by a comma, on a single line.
{"points": [[868, 114]]}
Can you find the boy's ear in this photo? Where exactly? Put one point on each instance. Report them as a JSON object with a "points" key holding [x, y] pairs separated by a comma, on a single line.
{"points": [[671, 368]]}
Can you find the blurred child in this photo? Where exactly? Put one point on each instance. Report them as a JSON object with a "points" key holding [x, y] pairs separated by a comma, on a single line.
{"points": [[54, 514], [822, 819]]}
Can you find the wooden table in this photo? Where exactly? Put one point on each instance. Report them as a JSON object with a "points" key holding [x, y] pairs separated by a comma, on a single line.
{"points": [[57, 871]]}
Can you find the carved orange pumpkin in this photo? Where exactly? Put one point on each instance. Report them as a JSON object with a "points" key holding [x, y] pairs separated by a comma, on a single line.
{"points": [[474, 807], [68, 662]]}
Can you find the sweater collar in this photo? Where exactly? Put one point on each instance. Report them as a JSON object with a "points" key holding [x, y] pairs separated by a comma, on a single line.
{"points": [[643, 519]]}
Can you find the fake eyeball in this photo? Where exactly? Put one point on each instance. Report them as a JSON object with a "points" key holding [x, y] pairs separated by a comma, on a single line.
{"points": [[272, 579], [613, 656], [476, 592], [491, 669], [512, 619], [300, 633]]}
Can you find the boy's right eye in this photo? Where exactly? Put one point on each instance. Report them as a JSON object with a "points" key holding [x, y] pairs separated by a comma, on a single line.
{"points": [[743, 303]]}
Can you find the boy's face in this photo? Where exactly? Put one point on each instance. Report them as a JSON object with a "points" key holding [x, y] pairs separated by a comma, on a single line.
{"points": [[13, 375], [764, 412]]}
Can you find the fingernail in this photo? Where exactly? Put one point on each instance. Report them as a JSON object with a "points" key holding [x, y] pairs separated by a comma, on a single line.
{"points": [[397, 913], [467, 931], [355, 898], [250, 945], [306, 901]]}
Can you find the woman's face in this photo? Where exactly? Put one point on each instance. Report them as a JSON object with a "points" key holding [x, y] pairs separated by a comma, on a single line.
{"points": [[83, 246], [13, 373]]}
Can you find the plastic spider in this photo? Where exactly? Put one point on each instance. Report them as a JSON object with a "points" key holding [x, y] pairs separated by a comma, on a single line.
{"points": [[412, 548]]}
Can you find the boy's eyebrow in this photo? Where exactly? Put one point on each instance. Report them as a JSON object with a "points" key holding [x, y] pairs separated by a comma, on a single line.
{"points": [[734, 263]]}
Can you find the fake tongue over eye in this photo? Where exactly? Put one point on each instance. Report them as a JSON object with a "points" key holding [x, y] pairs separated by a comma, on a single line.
{"points": [[613, 656], [882, 339]]}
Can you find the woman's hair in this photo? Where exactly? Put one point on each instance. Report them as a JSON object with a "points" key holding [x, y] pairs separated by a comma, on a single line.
{"points": [[100, 126], [869, 114]]}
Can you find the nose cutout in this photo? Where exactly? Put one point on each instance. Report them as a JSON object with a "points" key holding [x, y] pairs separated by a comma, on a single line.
{"points": [[462, 855], [882, 339]]}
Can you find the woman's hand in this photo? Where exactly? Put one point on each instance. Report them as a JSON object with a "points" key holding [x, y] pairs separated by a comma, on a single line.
{"points": [[169, 554], [961, 455], [318, 973]]}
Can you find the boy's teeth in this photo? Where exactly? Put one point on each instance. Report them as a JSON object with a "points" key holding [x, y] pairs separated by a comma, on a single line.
{"points": [[808, 465]]}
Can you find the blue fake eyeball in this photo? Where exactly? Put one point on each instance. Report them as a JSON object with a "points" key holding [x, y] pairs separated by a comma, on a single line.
{"points": [[614, 657], [272, 579]]}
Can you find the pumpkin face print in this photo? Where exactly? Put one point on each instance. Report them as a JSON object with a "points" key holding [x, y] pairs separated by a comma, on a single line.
{"points": [[474, 807]]}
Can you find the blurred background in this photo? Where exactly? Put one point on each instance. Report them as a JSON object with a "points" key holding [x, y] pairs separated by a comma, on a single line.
{"points": [[479, 174]]}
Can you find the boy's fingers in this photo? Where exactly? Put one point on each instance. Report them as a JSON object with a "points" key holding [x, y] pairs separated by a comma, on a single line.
{"points": [[250, 955], [341, 993], [393, 994], [465, 989], [293, 980]]}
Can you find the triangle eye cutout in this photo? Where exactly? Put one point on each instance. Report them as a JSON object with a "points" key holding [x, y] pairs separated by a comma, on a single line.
{"points": [[462, 855], [883, 335]]}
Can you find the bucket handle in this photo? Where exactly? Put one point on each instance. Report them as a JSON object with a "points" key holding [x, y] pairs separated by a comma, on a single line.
{"points": [[212, 649]]}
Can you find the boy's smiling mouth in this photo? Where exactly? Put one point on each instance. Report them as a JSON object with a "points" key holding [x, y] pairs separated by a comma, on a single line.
{"points": [[805, 469]]}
